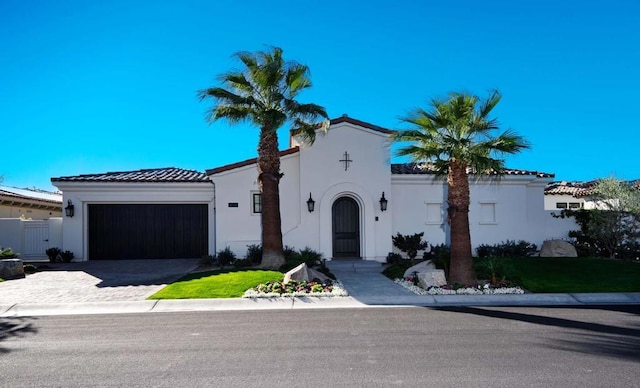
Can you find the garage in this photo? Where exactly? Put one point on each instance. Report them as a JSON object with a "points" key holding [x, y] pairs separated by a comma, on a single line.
{"points": [[147, 231]]}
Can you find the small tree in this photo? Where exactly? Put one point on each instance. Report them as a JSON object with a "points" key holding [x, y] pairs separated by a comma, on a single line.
{"points": [[615, 221], [410, 244]]}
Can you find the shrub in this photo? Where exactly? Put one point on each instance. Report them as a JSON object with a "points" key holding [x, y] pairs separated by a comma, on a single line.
{"points": [[242, 263], [396, 271], [310, 257], [394, 258], [52, 254], [410, 243], [226, 256], [440, 256], [66, 256], [509, 248], [628, 250], [495, 270], [30, 268], [289, 252], [8, 253], [254, 253], [208, 261], [295, 258]]}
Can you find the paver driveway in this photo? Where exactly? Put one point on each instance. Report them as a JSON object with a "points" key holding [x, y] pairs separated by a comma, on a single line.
{"points": [[95, 281]]}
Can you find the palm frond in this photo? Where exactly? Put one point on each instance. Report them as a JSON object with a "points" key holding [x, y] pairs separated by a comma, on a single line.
{"points": [[264, 92], [459, 128]]}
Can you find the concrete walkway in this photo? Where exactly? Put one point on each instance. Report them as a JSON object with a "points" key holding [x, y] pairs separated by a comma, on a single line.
{"points": [[98, 288]]}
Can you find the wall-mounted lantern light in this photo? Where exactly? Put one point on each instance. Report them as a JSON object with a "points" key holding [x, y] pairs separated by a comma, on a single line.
{"points": [[69, 210], [383, 203], [311, 204]]}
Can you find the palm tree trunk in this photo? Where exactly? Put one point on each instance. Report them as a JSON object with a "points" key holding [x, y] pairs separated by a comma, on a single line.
{"points": [[461, 267], [269, 179]]}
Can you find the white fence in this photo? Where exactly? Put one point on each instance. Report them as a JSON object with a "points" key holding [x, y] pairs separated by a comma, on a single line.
{"points": [[31, 238]]}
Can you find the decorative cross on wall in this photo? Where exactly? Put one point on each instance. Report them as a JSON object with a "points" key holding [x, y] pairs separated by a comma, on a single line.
{"points": [[346, 160]]}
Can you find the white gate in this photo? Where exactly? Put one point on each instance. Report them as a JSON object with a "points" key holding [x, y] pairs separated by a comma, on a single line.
{"points": [[36, 239]]}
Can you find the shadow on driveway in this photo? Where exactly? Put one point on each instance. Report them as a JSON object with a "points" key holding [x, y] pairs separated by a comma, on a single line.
{"points": [[115, 273]]}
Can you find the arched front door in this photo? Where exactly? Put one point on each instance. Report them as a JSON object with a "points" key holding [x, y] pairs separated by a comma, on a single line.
{"points": [[346, 228]]}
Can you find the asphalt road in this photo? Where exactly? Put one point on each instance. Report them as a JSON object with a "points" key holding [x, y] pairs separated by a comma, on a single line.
{"points": [[374, 347]]}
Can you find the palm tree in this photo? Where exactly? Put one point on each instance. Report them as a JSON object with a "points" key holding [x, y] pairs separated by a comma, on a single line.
{"points": [[454, 137], [264, 93]]}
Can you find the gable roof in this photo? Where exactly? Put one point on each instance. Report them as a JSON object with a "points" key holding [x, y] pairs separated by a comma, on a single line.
{"points": [[346, 119], [425, 168], [248, 162], [166, 174]]}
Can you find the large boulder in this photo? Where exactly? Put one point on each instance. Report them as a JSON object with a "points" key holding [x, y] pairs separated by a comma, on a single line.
{"points": [[304, 273], [425, 266], [11, 269], [557, 248], [433, 278]]}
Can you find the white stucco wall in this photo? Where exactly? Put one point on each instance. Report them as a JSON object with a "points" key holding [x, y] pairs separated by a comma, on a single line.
{"points": [[14, 235], [551, 200], [325, 177], [81, 194], [237, 227], [517, 202], [28, 212], [366, 177]]}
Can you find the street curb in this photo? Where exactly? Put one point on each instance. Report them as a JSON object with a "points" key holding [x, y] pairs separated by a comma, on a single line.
{"points": [[305, 303]]}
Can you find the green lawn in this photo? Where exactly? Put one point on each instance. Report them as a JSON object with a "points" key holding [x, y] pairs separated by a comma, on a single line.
{"points": [[575, 275], [216, 284], [563, 274]]}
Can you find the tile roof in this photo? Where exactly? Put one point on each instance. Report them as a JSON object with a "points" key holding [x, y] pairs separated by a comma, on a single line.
{"points": [[167, 174], [578, 189], [248, 162], [424, 168]]}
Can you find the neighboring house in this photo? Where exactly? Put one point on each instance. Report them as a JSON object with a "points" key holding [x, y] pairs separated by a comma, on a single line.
{"points": [[29, 203], [567, 195], [573, 195], [340, 196]]}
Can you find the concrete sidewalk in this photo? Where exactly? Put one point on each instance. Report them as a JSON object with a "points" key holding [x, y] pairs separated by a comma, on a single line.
{"points": [[367, 287]]}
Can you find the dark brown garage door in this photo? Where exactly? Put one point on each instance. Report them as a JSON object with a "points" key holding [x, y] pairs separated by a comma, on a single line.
{"points": [[147, 231]]}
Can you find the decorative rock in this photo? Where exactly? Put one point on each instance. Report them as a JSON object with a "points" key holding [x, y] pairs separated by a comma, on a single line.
{"points": [[11, 269], [304, 273], [425, 266], [557, 248], [432, 278]]}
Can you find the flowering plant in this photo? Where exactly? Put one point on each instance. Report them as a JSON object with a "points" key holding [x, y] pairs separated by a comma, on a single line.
{"points": [[481, 289], [295, 288]]}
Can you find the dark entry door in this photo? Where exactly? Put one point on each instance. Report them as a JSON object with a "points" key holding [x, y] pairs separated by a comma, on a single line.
{"points": [[346, 228], [147, 231]]}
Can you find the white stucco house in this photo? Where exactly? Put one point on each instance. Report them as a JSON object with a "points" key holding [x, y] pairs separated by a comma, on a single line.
{"points": [[568, 195], [359, 201]]}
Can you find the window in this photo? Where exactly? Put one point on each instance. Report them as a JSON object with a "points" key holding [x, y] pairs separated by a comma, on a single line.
{"points": [[487, 213], [575, 205], [256, 203], [561, 205], [434, 213]]}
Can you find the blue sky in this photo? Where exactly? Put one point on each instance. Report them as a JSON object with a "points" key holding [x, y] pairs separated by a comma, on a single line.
{"points": [[97, 86]]}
